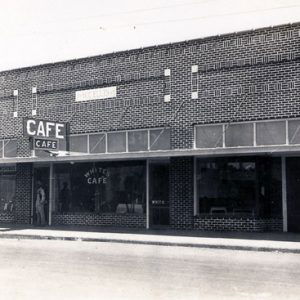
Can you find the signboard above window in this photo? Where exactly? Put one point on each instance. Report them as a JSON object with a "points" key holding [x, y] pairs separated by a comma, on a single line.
{"points": [[96, 94]]}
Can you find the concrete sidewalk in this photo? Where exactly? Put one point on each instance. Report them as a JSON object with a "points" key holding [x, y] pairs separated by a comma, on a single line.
{"points": [[280, 242]]}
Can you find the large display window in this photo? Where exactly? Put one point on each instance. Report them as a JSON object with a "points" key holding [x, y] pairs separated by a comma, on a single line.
{"points": [[101, 187], [7, 189], [239, 186]]}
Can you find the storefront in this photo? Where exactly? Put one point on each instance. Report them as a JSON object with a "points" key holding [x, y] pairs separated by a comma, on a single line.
{"points": [[111, 191], [133, 179], [195, 135]]}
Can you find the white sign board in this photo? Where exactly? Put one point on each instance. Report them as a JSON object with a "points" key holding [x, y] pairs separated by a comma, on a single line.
{"points": [[44, 129], [96, 94]]}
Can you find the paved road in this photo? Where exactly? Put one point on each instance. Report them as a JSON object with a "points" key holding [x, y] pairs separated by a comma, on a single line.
{"points": [[34, 269]]}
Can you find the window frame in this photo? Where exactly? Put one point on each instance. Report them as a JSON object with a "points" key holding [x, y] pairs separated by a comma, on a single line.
{"points": [[254, 134]]}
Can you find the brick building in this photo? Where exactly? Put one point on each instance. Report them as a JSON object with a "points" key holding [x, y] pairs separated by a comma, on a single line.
{"points": [[201, 134]]}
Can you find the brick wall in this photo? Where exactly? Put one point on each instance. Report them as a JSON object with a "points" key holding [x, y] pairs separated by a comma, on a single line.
{"points": [[7, 218], [257, 68], [237, 224], [23, 193], [181, 193], [116, 220]]}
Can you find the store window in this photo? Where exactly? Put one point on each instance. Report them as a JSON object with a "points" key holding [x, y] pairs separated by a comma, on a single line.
{"points": [[209, 136], [101, 187], [97, 143], [116, 142], [271, 133], [8, 148], [237, 135], [160, 139], [78, 143], [7, 189], [294, 132], [239, 186], [138, 140]]}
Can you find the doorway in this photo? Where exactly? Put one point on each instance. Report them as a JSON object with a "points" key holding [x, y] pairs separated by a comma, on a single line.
{"points": [[159, 210], [293, 193], [42, 174]]}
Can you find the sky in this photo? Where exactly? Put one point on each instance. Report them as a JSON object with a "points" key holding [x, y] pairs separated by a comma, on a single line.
{"points": [[35, 32]]}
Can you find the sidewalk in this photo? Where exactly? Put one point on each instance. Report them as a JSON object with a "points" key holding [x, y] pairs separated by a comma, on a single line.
{"points": [[280, 242]]}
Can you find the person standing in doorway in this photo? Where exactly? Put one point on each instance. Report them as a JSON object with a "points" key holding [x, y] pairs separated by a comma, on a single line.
{"points": [[40, 204], [64, 198]]}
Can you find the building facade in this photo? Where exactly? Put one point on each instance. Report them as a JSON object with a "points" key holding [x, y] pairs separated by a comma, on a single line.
{"points": [[202, 134]]}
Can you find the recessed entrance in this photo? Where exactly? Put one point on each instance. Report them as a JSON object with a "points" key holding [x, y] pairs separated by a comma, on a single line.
{"points": [[159, 193], [293, 193], [40, 174]]}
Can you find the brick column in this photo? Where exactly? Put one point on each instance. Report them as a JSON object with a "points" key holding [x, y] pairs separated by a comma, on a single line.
{"points": [[23, 193], [181, 193]]}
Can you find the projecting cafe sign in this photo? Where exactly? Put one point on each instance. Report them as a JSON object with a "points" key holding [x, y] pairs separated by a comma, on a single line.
{"points": [[45, 134]]}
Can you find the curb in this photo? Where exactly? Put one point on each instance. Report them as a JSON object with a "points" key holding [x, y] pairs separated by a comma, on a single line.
{"points": [[154, 243]]}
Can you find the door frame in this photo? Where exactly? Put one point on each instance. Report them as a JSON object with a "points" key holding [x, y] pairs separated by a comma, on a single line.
{"points": [[148, 187]]}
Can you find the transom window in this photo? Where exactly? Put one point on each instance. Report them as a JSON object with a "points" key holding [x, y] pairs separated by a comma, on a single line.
{"points": [[8, 148], [122, 141], [248, 134], [156, 139]]}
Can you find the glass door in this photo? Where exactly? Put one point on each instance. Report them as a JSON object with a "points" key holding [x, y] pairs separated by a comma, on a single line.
{"points": [[40, 211], [159, 193]]}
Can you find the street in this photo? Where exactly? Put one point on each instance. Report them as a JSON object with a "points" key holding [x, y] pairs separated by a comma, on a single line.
{"points": [[41, 269]]}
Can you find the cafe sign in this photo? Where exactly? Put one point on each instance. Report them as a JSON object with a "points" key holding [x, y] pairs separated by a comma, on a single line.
{"points": [[45, 144], [97, 175], [44, 129]]}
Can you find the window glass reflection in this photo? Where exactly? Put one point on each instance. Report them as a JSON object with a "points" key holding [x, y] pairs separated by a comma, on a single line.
{"points": [[10, 148], [97, 143], [160, 139], [7, 189], [78, 143], [238, 186], [116, 142], [114, 187], [209, 136], [138, 140], [271, 133], [239, 135]]}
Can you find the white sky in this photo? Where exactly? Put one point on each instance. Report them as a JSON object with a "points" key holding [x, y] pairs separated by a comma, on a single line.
{"points": [[41, 31]]}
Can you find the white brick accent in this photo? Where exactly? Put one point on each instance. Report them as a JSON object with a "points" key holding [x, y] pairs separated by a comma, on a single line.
{"points": [[167, 98], [194, 68], [167, 72], [194, 95]]}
